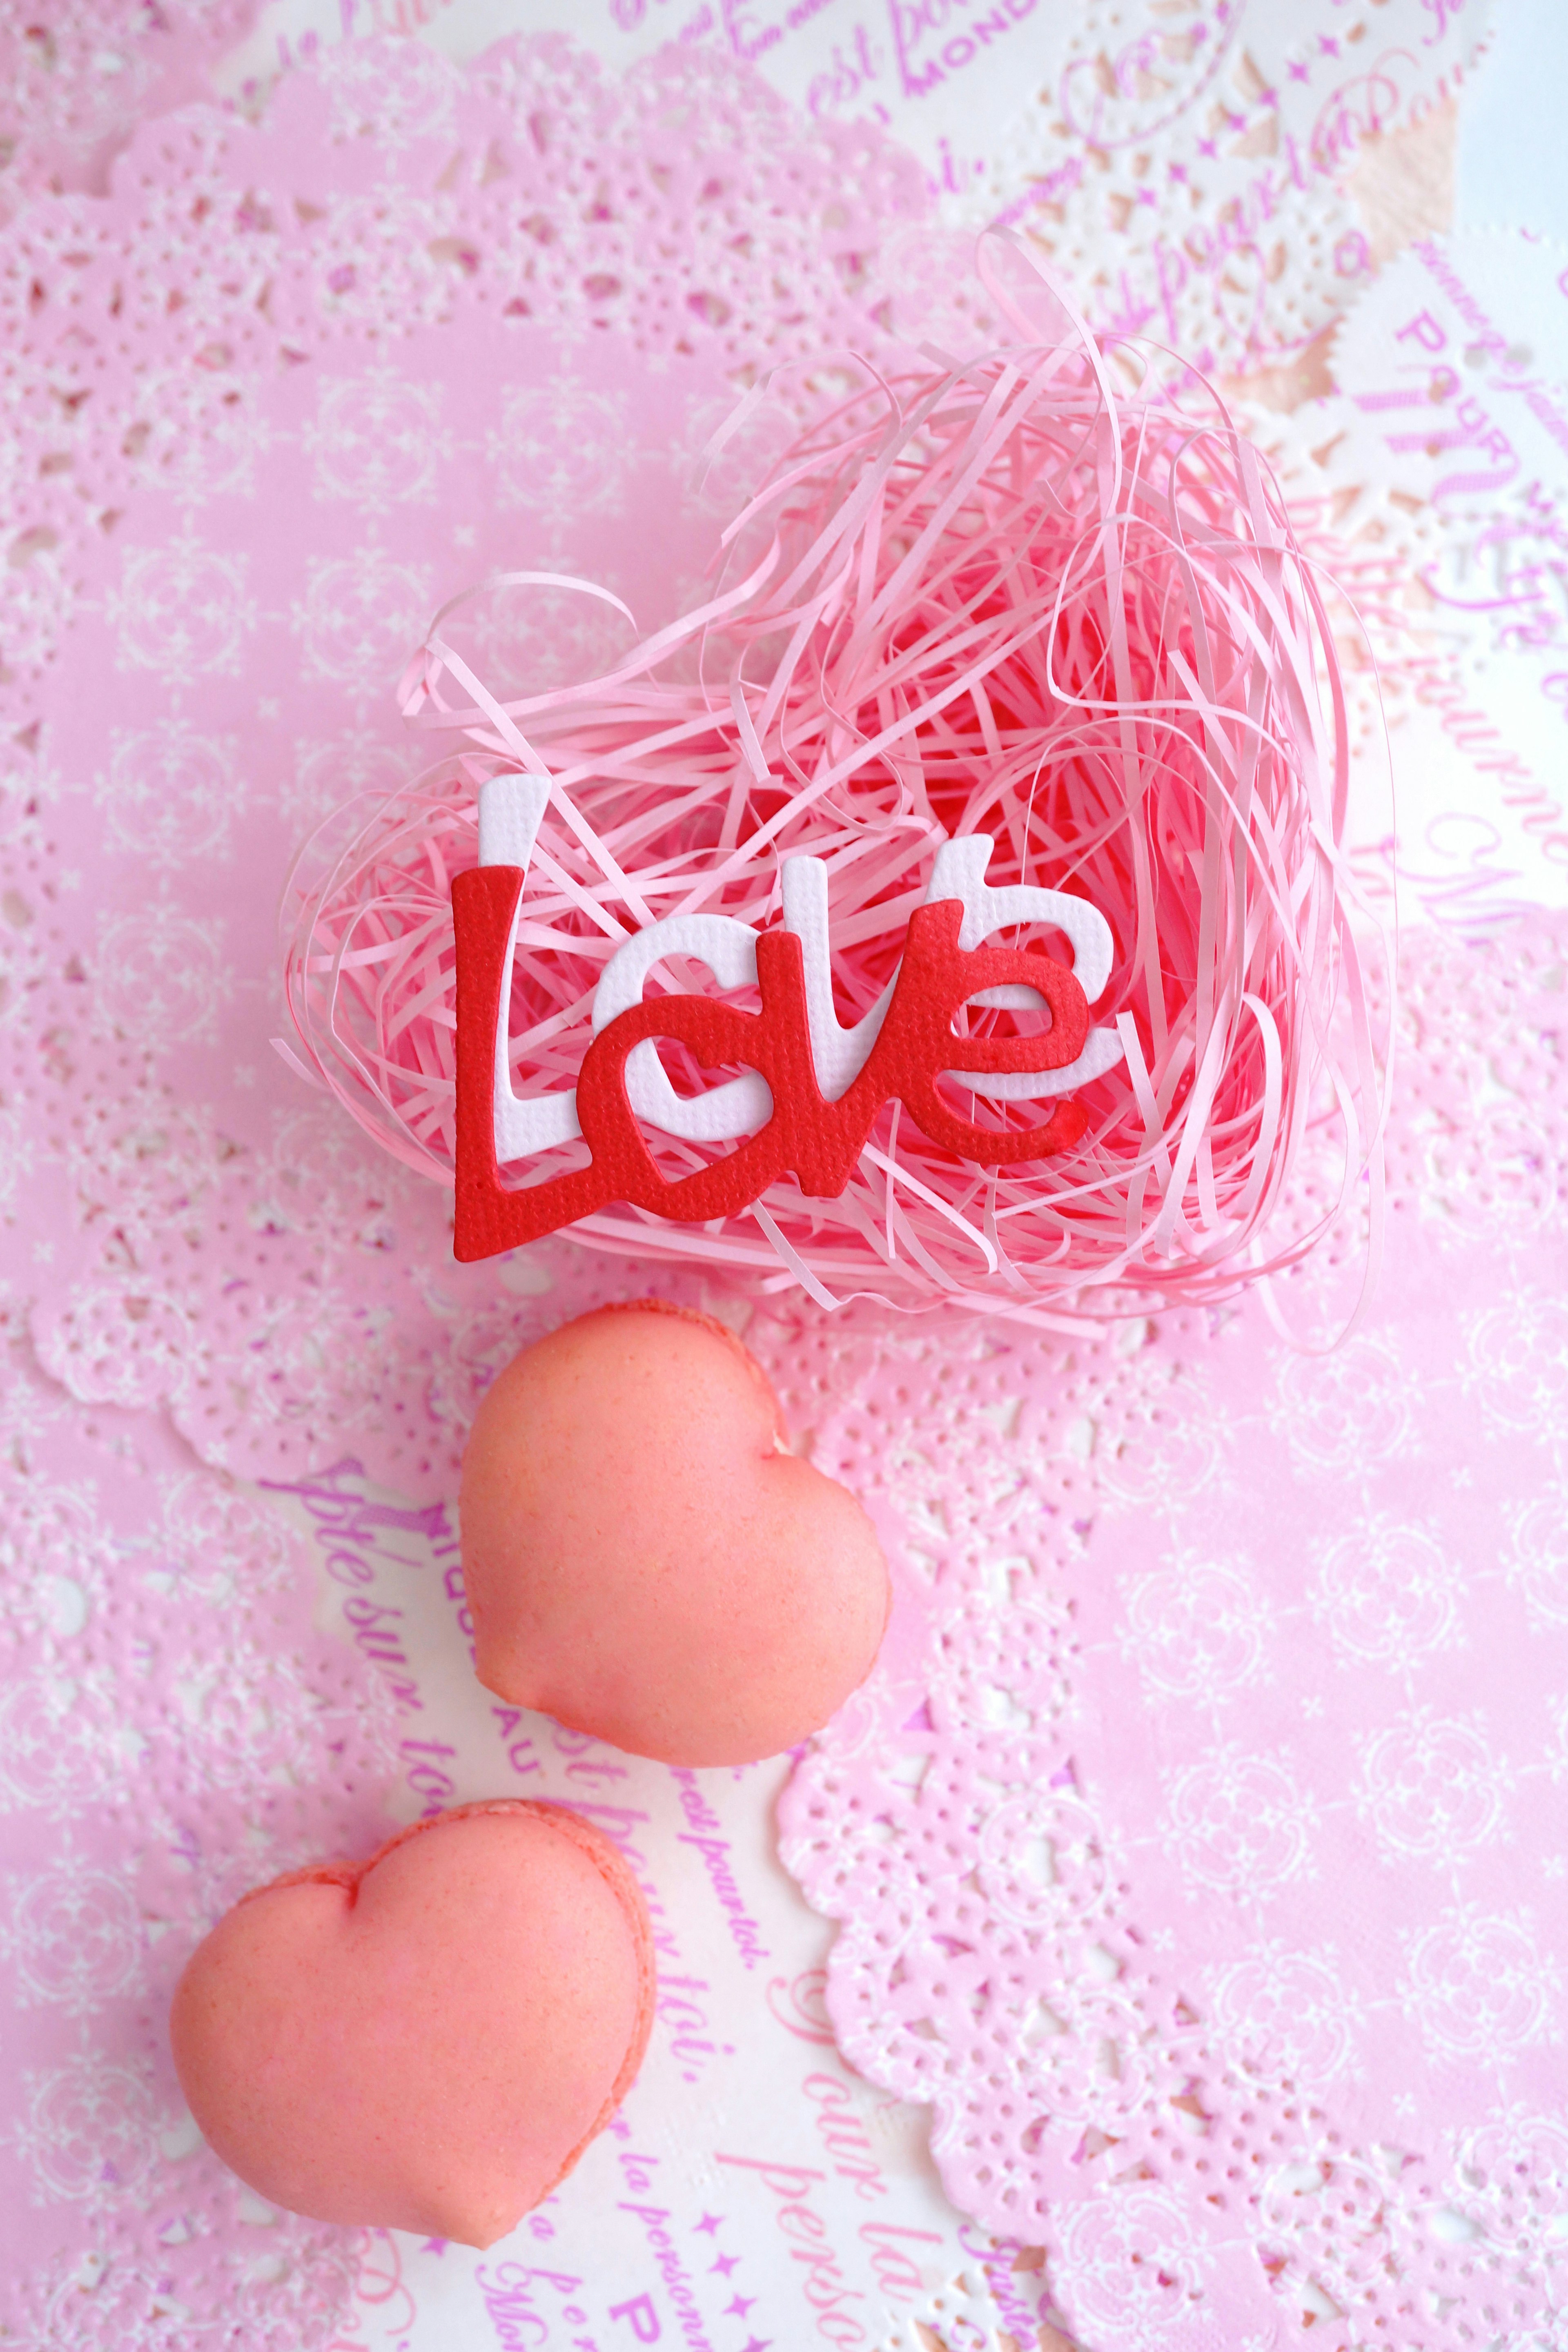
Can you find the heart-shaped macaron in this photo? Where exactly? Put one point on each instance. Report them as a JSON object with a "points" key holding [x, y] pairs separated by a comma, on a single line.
{"points": [[646, 1560], [428, 2039]]}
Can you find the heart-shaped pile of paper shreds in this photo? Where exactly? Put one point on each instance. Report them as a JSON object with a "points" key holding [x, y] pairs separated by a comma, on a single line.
{"points": [[1033, 595]]}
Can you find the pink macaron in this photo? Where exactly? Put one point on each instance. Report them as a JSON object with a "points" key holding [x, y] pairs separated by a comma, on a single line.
{"points": [[428, 2039], [647, 1561]]}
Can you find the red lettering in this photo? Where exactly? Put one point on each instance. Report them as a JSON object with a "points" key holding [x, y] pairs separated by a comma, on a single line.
{"points": [[817, 1140]]}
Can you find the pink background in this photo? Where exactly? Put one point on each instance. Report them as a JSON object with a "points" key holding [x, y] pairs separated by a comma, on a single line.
{"points": [[1195, 1851]]}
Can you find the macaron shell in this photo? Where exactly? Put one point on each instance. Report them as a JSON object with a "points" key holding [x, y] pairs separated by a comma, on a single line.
{"points": [[645, 1560], [428, 2042]]}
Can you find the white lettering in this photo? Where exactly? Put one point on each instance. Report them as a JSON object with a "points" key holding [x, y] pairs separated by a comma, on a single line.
{"points": [[510, 808]]}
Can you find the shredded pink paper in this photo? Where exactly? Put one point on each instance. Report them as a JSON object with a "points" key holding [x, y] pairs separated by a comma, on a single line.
{"points": [[1003, 598]]}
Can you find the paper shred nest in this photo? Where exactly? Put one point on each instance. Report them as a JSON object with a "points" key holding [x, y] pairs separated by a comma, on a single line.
{"points": [[1035, 596]]}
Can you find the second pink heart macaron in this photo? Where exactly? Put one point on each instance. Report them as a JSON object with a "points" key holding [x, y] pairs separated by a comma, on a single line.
{"points": [[428, 2039], [647, 1561]]}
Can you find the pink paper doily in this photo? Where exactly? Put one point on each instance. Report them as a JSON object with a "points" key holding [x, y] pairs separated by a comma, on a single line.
{"points": [[1198, 1851], [244, 490], [237, 382], [1098, 1697], [76, 76]]}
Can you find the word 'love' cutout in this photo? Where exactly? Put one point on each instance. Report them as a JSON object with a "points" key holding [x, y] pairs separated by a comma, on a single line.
{"points": [[812, 1091]]}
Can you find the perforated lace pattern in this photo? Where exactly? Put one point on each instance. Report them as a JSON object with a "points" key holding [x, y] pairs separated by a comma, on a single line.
{"points": [[241, 1258], [1194, 1857]]}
